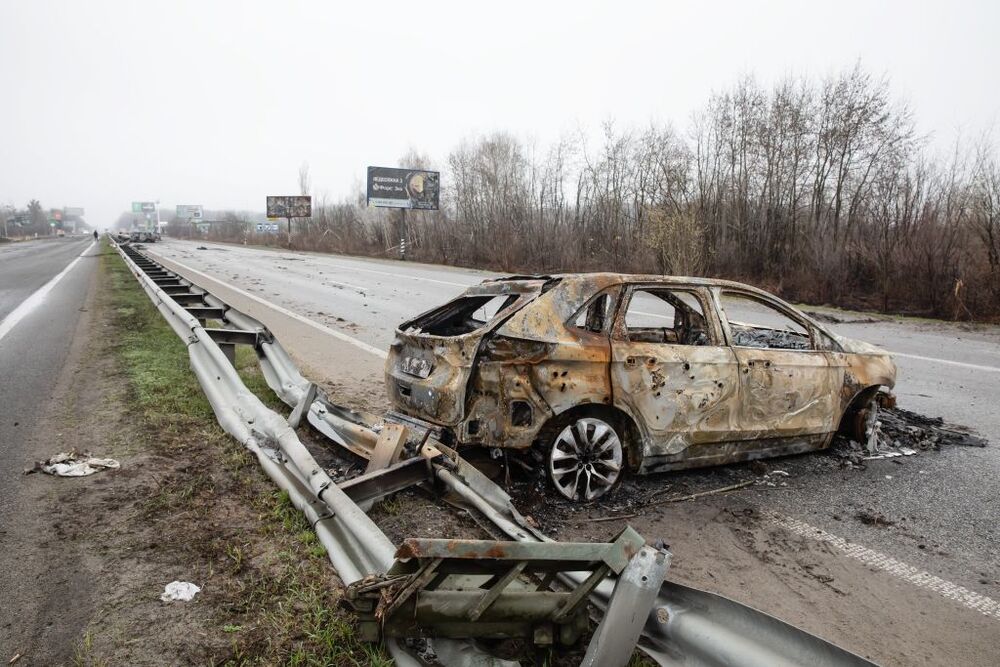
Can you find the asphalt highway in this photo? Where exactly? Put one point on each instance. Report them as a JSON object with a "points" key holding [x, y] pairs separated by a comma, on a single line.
{"points": [[43, 286], [944, 505]]}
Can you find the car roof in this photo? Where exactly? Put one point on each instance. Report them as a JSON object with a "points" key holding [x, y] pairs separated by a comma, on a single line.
{"points": [[607, 278]]}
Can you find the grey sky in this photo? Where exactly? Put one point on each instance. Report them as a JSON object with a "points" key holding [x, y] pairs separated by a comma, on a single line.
{"points": [[218, 103]]}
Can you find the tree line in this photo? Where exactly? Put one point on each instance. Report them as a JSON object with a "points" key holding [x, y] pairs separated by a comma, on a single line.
{"points": [[819, 190]]}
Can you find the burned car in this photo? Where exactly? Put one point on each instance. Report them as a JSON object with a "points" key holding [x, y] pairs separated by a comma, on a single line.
{"points": [[606, 373]]}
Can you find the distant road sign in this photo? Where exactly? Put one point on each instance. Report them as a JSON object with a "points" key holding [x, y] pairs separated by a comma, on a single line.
{"points": [[144, 207], [56, 214], [403, 188], [74, 211], [190, 211], [294, 206]]}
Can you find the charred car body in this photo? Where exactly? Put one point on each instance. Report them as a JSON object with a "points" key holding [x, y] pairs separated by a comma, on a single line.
{"points": [[608, 372]]}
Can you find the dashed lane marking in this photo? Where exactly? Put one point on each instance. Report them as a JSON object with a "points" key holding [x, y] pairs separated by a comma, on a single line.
{"points": [[920, 578]]}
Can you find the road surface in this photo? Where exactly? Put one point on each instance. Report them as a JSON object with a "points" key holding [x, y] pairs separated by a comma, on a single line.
{"points": [[945, 504], [43, 288]]}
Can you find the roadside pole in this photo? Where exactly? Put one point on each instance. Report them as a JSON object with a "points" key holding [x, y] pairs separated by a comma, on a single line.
{"points": [[402, 234]]}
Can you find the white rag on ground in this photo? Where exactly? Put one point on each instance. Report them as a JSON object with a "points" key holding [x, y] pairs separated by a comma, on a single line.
{"points": [[71, 464], [179, 590]]}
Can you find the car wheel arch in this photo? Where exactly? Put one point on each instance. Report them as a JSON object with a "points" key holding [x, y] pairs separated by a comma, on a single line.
{"points": [[852, 419], [625, 425]]}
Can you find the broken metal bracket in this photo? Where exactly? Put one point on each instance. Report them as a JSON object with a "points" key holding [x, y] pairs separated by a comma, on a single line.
{"points": [[303, 405], [486, 588], [370, 487]]}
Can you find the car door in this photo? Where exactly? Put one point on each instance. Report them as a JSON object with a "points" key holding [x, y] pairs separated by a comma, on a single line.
{"points": [[671, 369], [788, 385]]}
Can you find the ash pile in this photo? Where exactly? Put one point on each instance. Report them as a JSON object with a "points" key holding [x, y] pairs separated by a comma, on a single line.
{"points": [[899, 432]]}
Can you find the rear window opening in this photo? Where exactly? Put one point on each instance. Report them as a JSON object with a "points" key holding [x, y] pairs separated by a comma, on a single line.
{"points": [[462, 316]]}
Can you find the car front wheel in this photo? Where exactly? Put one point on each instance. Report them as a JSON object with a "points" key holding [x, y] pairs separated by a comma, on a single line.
{"points": [[586, 459]]}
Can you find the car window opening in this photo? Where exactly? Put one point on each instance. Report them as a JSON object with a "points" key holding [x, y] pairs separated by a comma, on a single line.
{"points": [[665, 316], [594, 316], [463, 315], [759, 325]]}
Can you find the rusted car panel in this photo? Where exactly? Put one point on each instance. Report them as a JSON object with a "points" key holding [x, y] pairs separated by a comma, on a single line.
{"points": [[432, 358], [708, 386]]}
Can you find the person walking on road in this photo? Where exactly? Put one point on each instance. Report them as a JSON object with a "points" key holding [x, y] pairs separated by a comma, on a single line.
{"points": [[95, 234]]}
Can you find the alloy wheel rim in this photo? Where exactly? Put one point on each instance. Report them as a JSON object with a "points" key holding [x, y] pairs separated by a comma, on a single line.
{"points": [[586, 459]]}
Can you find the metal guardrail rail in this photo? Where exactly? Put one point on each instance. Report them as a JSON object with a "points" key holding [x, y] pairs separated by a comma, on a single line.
{"points": [[674, 624]]}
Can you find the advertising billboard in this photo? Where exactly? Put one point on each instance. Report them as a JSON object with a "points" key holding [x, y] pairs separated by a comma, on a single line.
{"points": [[294, 206], [190, 211], [403, 188]]}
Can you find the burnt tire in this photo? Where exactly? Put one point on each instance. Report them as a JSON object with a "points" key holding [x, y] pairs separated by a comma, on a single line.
{"points": [[586, 458]]}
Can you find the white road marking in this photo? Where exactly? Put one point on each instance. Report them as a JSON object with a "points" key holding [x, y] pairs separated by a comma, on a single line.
{"points": [[969, 599], [284, 311], [962, 364], [37, 297]]}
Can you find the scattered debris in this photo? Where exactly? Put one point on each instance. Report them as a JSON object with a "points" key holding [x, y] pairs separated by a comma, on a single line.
{"points": [[17, 656], [71, 464], [901, 428], [712, 492], [181, 591], [873, 518], [898, 432]]}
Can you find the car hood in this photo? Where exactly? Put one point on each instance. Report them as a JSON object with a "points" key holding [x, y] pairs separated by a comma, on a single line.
{"points": [[854, 346]]}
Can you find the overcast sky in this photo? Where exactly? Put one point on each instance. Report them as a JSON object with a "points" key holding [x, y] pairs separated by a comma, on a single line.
{"points": [[218, 103]]}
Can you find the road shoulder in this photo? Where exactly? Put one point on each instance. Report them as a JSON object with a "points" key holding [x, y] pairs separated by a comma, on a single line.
{"points": [[188, 504]]}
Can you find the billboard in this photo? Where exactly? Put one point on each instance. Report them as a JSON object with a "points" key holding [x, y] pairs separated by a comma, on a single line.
{"points": [[144, 207], [190, 211], [294, 206], [403, 188], [73, 212]]}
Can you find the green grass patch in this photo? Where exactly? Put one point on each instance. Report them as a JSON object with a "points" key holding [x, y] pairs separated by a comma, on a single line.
{"points": [[274, 599]]}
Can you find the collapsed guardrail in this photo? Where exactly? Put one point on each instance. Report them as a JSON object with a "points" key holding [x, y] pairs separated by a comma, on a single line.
{"points": [[452, 590]]}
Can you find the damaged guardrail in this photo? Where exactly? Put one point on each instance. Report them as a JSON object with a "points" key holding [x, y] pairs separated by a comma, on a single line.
{"points": [[358, 549], [457, 588]]}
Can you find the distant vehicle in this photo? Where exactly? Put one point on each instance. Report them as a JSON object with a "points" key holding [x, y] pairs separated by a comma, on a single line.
{"points": [[144, 236], [608, 372], [60, 233]]}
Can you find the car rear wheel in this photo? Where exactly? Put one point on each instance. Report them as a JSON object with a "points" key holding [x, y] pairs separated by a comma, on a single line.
{"points": [[586, 459]]}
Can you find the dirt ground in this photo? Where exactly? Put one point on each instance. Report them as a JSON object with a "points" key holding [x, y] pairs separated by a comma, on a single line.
{"points": [[187, 504]]}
